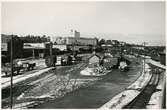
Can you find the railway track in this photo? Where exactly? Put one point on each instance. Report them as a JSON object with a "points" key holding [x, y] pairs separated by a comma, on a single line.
{"points": [[143, 98]]}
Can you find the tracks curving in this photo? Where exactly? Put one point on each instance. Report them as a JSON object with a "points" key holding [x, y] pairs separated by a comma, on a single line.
{"points": [[143, 98]]}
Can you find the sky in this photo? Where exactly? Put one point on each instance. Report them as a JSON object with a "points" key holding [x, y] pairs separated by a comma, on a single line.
{"points": [[133, 22]]}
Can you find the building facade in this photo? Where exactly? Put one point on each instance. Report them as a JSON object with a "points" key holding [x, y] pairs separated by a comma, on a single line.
{"points": [[163, 57], [74, 38], [81, 41], [94, 60]]}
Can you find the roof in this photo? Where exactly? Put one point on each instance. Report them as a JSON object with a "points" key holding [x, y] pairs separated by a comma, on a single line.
{"points": [[107, 56], [34, 46], [100, 54], [94, 55], [81, 38], [163, 52]]}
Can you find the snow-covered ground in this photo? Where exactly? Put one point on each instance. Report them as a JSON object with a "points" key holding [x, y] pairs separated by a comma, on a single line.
{"points": [[39, 69], [6, 82], [130, 93], [156, 98], [49, 86], [158, 64], [142, 81], [121, 99], [50, 89], [91, 71]]}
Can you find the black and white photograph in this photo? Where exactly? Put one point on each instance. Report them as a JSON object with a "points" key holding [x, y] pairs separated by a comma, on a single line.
{"points": [[83, 55]]}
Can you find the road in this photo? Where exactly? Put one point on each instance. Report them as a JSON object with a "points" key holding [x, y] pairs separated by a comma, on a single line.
{"points": [[41, 91]]}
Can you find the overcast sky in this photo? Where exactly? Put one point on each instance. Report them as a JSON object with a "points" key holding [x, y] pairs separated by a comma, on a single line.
{"points": [[127, 21]]}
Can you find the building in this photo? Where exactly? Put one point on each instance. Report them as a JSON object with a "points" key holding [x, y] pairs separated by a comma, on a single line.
{"points": [[6, 45], [81, 41], [163, 57], [109, 61], [138, 48], [75, 34], [94, 60], [58, 40], [60, 47], [34, 49], [74, 39]]}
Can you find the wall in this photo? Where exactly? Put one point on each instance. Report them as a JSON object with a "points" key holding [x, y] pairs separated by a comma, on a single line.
{"points": [[94, 59]]}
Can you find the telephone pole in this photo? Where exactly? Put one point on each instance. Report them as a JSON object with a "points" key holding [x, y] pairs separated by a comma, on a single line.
{"points": [[50, 48], [11, 76], [33, 53], [144, 56]]}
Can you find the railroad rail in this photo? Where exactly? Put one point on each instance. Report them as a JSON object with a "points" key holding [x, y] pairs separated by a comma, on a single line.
{"points": [[143, 98]]}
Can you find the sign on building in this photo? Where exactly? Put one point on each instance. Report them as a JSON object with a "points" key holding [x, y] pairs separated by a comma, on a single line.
{"points": [[34, 45], [61, 47], [4, 46]]}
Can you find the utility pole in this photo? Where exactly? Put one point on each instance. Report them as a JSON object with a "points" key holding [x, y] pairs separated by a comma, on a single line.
{"points": [[144, 57], [33, 53], [50, 48], [121, 49], [11, 76]]}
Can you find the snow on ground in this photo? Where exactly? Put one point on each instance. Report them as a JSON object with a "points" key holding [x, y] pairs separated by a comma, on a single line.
{"points": [[155, 100], [40, 64], [160, 84], [24, 77], [48, 87], [156, 63], [121, 99], [50, 90], [130, 93], [141, 81], [7, 79], [23, 105]]}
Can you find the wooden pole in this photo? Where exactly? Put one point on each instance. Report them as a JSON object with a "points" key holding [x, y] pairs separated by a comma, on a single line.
{"points": [[33, 53], [163, 100], [11, 81], [144, 57], [50, 49]]}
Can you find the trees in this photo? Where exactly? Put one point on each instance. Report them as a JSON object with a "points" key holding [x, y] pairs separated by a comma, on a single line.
{"points": [[34, 39]]}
